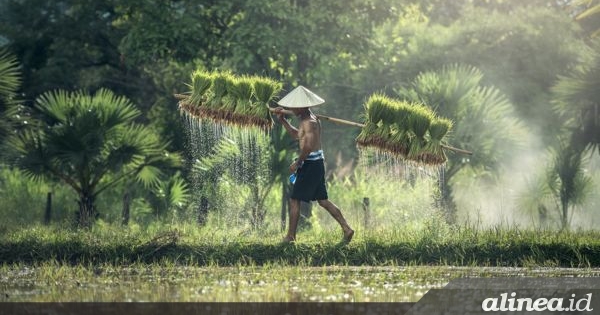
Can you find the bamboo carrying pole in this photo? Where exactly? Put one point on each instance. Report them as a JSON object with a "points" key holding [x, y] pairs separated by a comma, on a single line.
{"points": [[355, 124]]}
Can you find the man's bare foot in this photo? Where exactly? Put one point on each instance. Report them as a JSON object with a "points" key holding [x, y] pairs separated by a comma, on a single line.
{"points": [[288, 240], [348, 234]]}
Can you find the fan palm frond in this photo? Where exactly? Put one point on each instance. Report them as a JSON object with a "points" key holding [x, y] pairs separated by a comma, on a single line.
{"points": [[10, 77]]}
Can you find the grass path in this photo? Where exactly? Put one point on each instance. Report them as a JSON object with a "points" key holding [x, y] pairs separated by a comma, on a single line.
{"points": [[187, 245]]}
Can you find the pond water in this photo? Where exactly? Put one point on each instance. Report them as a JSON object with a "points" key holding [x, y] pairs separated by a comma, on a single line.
{"points": [[243, 284]]}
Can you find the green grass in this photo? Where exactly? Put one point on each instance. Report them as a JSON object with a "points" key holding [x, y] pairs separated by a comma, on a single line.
{"points": [[188, 245]]}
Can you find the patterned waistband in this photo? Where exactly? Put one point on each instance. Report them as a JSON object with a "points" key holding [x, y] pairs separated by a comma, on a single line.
{"points": [[315, 156]]}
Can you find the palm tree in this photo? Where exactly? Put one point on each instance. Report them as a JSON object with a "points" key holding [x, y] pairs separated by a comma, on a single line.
{"points": [[90, 143], [567, 181], [562, 188], [483, 119], [10, 80], [577, 100]]}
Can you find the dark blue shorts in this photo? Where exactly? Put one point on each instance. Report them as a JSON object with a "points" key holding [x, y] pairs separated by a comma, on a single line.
{"points": [[310, 182]]}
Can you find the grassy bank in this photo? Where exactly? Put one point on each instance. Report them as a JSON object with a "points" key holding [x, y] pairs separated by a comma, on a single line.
{"points": [[189, 245]]}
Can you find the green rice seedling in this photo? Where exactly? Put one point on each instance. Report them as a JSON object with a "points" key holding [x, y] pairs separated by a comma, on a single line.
{"points": [[265, 89], [400, 141], [242, 91], [439, 128], [390, 110], [420, 120], [219, 88], [416, 148], [377, 107], [261, 116], [434, 153], [377, 125], [201, 83], [402, 114], [229, 101], [366, 133]]}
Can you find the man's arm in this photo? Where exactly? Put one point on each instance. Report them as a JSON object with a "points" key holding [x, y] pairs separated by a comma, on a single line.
{"points": [[290, 129], [281, 117]]}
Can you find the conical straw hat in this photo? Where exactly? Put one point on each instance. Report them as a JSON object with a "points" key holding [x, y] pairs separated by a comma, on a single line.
{"points": [[300, 97]]}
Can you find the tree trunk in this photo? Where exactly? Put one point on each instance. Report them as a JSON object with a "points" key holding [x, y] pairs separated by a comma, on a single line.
{"points": [[87, 212], [48, 212], [366, 203], [202, 210], [565, 215], [284, 203], [445, 201], [543, 216], [257, 211], [126, 207]]}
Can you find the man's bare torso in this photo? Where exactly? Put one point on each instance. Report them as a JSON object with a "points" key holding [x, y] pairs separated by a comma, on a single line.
{"points": [[309, 134]]}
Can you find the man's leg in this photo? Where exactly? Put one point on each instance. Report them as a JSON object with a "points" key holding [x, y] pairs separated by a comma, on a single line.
{"points": [[336, 213], [294, 217]]}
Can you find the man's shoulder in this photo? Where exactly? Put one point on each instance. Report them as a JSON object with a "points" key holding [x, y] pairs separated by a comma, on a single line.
{"points": [[310, 121]]}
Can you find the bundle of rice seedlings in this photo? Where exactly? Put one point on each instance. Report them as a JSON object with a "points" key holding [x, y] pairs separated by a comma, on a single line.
{"points": [[403, 129], [439, 128], [434, 152], [399, 141], [229, 100], [419, 120], [365, 138], [201, 83], [265, 90], [402, 114], [219, 88], [377, 107], [242, 91]]}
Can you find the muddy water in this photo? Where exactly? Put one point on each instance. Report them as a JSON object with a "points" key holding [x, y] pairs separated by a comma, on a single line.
{"points": [[244, 284]]}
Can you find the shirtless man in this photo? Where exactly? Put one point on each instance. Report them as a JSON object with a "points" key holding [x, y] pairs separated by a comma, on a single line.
{"points": [[310, 170]]}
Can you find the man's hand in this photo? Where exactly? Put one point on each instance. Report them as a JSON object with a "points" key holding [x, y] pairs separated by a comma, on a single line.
{"points": [[279, 112], [295, 166]]}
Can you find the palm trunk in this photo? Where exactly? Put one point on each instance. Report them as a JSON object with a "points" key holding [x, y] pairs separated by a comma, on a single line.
{"points": [[445, 201], [48, 212], [87, 213], [202, 211], [126, 208], [565, 215]]}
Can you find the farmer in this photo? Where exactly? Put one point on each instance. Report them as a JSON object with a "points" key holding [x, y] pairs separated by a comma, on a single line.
{"points": [[309, 166]]}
